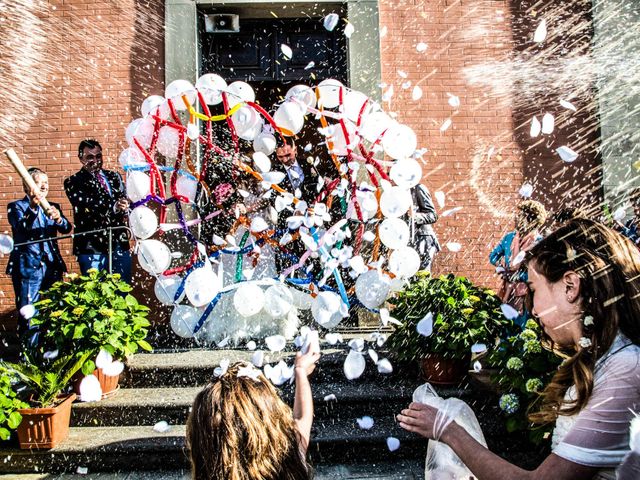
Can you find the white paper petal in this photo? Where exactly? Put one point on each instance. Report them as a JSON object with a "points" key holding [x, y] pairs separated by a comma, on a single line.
{"points": [[90, 390], [393, 444], [477, 366], [356, 344], [445, 126], [478, 348], [519, 258], [354, 365], [286, 51], [566, 154], [568, 105], [385, 367], [508, 311], [251, 345], [257, 358], [374, 355], [425, 326], [330, 397], [526, 190], [541, 32], [113, 369], [416, 94], [348, 30], [548, 123], [440, 198], [333, 338], [103, 359], [453, 101], [534, 131], [619, 214], [451, 211], [331, 21], [275, 343], [421, 47], [453, 246], [365, 423], [161, 427]]}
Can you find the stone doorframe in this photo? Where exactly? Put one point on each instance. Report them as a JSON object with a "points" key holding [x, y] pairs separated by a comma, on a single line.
{"points": [[181, 38]]}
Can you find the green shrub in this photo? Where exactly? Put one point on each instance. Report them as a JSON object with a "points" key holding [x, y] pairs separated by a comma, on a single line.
{"points": [[10, 418]]}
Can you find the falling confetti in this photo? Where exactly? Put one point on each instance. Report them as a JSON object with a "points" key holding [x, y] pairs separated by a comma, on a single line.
{"points": [[445, 126], [421, 47], [566, 154], [534, 131], [440, 198], [425, 326], [454, 101], [393, 444], [365, 423], [451, 211], [541, 32], [548, 123], [331, 21], [508, 311], [454, 246], [526, 190], [348, 30], [568, 105], [416, 94], [286, 51]]}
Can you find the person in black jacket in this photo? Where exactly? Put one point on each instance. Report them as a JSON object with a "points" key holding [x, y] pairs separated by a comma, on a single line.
{"points": [[36, 266], [99, 202], [423, 216]]}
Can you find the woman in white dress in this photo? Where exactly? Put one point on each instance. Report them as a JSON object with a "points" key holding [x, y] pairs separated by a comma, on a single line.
{"points": [[584, 280]]}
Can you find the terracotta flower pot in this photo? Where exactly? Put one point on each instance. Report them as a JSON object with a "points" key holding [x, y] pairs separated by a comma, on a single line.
{"points": [[45, 427], [440, 370]]}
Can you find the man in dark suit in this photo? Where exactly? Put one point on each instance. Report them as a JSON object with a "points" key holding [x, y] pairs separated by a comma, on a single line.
{"points": [[422, 218], [36, 266], [99, 202], [301, 180]]}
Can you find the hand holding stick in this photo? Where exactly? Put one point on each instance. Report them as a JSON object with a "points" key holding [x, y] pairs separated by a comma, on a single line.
{"points": [[26, 177]]}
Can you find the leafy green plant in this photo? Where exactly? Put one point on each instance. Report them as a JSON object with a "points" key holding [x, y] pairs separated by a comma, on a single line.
{"points": [[92, 312], [44, 383], [463, 315], [523, 367], [10, 418]]}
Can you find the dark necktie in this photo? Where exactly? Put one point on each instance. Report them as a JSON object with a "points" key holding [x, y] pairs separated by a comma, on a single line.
{"points": [[103, 182]]}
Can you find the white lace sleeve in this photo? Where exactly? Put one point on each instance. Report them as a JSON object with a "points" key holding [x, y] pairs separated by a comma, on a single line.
{"points": [[600, 434]]}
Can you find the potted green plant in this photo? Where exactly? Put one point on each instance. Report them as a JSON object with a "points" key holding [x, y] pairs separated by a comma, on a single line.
{"points": [[10, 405], [45, 420], [92, 312], [460, 314], [522, 367]]}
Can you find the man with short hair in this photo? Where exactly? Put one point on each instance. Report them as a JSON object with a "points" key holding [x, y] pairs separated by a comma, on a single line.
{"points": [[36, 266], [99, 203]]}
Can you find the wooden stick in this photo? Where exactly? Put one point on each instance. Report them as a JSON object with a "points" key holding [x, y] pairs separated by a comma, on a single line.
{"points": [[26, 176]]}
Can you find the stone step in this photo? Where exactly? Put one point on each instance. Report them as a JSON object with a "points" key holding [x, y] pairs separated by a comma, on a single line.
{"points": [[147, 406], [126, 448], [195, 367]]}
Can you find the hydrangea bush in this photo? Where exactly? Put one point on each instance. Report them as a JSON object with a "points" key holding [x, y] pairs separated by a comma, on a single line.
{"points": [[524, 367]]}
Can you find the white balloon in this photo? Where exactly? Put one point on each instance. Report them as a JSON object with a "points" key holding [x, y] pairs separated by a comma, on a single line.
{"points": [[151, 104], [143, 222], [238, 92], [184, 319], [277, 301], [247, 122], [168, 141], [406, 173], [302, 93], [138, 185], [399, 141], [142, 130], [374, 125], [354, 365], [372, 288], [327, 309], [330, 92], [301, 300], [289, 116], [131, 156], [166, 287], [187, 187], [265, 143], [211, 86], [353, 103], [154, 256], [275, 343], [201, 286], [248, 299], [394, 233], [404, 262], [6, 244], [339, 143], [177, 89], [395, 201]]}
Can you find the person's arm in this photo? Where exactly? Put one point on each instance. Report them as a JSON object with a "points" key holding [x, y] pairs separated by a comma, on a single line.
{"points": [[484, 464], [425, 213], [497, 253], [62, 225], [21, 220], [303, 401]]}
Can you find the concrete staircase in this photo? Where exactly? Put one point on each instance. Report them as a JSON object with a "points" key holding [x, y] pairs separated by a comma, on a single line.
{"points": [[116, 434]]}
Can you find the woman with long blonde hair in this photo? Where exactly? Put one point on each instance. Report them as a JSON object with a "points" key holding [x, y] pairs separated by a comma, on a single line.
{"points": [[240, 429], [584, 282]]}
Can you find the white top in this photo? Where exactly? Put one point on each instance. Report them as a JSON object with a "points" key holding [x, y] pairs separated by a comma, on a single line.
{"points": [[598, 436]]}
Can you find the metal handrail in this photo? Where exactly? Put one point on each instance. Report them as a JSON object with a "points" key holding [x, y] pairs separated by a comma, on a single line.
{"points": [[109, 231]]}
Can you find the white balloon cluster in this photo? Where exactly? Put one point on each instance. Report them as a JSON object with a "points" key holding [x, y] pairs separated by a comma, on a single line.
{"points": [[356, 129]]}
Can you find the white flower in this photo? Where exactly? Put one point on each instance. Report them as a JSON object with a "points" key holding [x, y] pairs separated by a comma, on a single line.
{"points": [[588, 320], [584, 342], [249, 371]]}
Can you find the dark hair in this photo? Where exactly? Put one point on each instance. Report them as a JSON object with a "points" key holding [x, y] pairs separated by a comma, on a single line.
{"points": [[35, 171], [608, 265], [87, 143], [531, 216], [568, 213], [240, 429]]}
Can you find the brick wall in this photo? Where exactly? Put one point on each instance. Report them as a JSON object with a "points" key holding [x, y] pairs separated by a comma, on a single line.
{"points": [[71, 69], [476, 161]]}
